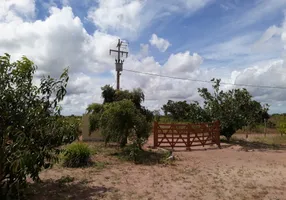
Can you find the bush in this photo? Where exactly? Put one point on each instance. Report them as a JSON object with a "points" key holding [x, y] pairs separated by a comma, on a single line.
{"points": [[139, 156], [77, 155], [122, 121]]}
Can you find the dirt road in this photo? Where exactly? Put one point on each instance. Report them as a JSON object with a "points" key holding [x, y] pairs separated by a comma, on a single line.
{"points": [[228, 173]]}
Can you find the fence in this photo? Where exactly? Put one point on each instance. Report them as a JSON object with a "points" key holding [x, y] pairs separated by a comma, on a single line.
{"points": [[186, 135]]}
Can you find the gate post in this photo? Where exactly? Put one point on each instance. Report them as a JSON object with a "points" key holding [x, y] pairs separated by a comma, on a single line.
{"points": [[188, 137], [218, 133], [155, 132]]}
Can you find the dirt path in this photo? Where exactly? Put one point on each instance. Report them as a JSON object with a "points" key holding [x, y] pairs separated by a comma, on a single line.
{"points": [[228, 173]]}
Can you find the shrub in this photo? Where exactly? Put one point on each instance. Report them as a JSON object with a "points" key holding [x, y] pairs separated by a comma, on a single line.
{"points": [[122, 121], [77, 155]]}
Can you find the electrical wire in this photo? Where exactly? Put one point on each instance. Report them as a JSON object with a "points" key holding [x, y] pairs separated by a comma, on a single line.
{"points": [[204, 81]]}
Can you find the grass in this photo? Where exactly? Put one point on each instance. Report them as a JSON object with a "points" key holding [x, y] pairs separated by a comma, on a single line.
{"points": [[145, 157], [277, 142], [66, 179]]}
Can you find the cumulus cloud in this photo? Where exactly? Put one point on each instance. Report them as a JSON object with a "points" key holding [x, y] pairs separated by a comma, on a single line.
{"points": [[15, 10], [160, 43], [127, 18], [183, 62], [61, 40]]}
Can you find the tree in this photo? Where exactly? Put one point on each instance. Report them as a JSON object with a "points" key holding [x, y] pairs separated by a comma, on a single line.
{"points": [[102, 117], [182, 111], [108, 94], [234, 108], [31, 126], [94, 108], [177, 110], [121, 121]]}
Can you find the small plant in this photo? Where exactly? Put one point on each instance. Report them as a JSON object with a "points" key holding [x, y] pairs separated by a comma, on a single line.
{"points": [[139, 156], [77, 155], [66, 179]]}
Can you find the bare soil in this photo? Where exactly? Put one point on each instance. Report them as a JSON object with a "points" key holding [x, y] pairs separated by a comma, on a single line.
{"points": [[237, 171]]}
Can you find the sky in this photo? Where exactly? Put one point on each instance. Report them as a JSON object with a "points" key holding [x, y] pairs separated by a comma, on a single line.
{"points": [[237, 41]]}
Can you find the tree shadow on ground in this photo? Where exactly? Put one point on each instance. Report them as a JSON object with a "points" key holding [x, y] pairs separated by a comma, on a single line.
{"points": [[251, 145], [59, 189]]}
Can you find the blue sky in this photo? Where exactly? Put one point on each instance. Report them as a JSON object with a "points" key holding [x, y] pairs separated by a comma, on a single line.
{"points": [[239, 41]]}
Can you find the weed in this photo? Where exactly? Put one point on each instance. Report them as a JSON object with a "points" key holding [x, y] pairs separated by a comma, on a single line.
{"points": [[139, 156], [77, 155], [66, 179]]}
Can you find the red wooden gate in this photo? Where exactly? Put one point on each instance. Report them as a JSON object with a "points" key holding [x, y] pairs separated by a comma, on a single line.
{"points": [[186, 135]]}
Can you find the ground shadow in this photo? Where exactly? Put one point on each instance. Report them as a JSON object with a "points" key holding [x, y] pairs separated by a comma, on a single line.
{"points": [[250, 145], [58, 190], [199, 148]]}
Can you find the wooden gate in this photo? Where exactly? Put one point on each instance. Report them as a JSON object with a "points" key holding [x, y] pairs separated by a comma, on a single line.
{"points": [[186, 135]]}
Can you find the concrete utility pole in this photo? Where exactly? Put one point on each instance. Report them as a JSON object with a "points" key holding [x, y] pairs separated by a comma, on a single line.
{"points": [[119, 61]]}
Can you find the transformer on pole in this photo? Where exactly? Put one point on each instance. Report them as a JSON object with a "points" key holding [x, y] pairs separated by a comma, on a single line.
{"points": [[119, 61]]}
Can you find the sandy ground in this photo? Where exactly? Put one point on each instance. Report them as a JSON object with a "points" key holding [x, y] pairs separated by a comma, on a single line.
{"points": [[228, 173]]}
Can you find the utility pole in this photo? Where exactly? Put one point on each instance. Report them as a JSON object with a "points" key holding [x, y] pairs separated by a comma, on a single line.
{"points": [[119, 61]]}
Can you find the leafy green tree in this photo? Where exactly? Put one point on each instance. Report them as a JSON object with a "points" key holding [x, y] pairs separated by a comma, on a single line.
{"points": [[31, 126], [108, 94], [182, 111], [233, 108], [94, 108], [130, 119], [179, 111], [121, 121]]}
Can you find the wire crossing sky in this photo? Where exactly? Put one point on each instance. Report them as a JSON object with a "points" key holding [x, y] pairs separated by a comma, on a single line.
{"points": [[205, 81]]}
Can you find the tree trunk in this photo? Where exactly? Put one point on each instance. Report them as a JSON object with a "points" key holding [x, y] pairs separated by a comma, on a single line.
{"points": [[123, 141]]}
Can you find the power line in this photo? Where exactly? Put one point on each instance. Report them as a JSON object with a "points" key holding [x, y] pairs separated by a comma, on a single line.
{"points": [[204, 81]]}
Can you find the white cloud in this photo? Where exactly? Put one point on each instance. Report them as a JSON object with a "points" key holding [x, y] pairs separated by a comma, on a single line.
{"points": [[117, 15], [15, 10], [127, 18], [160, 43], [61, 40], [183, 62], [262, 9], [58, 42]]}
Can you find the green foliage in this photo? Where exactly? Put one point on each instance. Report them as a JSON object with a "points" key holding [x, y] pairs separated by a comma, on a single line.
{"points": [[111, 95], [233, 108], [76, 155], [121, 121], [182, 111], [66, 179], [140, 156], [31, 127], [121, 117], [94, 108], [281, 124]]}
